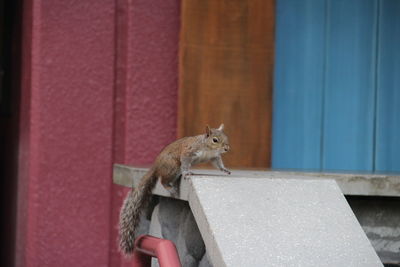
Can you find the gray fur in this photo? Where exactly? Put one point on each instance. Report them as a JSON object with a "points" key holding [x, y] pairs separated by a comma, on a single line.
{"points": [[132, 208]]}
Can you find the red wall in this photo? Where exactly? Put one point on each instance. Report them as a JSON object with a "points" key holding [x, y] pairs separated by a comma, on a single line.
{"points": [[99, 86]]}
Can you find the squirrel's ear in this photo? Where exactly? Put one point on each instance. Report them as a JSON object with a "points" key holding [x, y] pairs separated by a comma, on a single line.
{"points": [[221, 127], [208, 131]]}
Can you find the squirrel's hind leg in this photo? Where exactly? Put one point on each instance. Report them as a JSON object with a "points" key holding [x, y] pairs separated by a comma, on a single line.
{"points": [[172, 189]]}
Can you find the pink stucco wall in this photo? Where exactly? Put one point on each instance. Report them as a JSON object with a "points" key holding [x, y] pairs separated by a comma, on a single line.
{"points": [[146, 88], [99, 86]]}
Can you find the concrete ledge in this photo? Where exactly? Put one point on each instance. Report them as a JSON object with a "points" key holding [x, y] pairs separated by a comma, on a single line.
{"points": [[130, 177], [350, 184], [283, 219]]}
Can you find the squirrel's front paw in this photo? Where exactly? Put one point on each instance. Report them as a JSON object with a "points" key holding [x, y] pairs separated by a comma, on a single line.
{"points": [[226, 171]]}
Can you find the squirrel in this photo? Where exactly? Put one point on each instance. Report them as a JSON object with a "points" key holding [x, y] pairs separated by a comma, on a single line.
{"points": [[173, 162]]}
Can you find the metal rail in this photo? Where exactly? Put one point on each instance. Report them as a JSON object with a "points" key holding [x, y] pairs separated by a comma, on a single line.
{"points": [[164, 250]]}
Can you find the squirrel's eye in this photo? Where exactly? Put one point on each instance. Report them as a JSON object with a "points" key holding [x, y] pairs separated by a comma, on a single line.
{"points": [[215, 139]]}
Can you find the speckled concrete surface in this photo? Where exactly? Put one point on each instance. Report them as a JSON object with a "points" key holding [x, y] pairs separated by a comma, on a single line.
{"points": [[378, 216], [350, 184], [264, 222]]}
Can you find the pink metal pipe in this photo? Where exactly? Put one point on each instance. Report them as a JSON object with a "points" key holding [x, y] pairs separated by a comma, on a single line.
{"points": [[147, 246]]}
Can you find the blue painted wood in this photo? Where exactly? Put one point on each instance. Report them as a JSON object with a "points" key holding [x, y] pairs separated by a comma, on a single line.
{"points": [[348, 130], [388, 105], [298, 83]]}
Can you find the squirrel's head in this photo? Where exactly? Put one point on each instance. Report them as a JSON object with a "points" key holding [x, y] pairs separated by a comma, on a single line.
{"points": [[216, 139]]}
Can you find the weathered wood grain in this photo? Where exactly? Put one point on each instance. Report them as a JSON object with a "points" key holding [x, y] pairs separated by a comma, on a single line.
{"points": [[226, 62]]}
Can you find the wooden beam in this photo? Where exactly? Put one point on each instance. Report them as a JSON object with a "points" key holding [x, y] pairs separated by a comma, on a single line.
{"points": [[226, 65]]}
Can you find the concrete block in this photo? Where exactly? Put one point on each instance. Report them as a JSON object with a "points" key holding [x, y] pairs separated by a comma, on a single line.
{"points": [[188, 261], [170, 213], [172, 219], [155, 230], [276, 222], [379, 218], [205, 261], [193, 240], [155, 226]]}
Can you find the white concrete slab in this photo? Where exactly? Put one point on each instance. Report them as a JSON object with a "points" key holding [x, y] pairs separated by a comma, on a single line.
{"points": [[277, 222]]}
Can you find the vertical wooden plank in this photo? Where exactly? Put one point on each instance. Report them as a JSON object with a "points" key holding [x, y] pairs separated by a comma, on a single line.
{"points": [[388, 105], [298, 88], [226, 58], [350, 85]]}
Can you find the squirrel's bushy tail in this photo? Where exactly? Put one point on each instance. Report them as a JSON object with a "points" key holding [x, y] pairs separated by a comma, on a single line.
{"points": [[133, 205]]}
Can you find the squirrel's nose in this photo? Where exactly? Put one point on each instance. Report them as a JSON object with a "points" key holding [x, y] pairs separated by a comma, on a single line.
{"points": [[227, 148]]}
